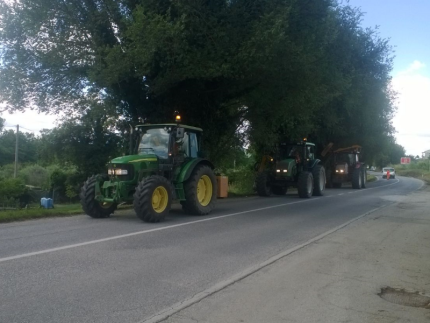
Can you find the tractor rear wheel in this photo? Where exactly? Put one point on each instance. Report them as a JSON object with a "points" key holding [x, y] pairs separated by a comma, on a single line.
{"points": [[263, 184], [357, 178], [152, 199], [279, 190], [200, 191], [90, 205], [318, 173], [305, 185]]}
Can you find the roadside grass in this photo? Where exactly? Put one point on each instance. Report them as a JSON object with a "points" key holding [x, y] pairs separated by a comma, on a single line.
{"points": [[416, 173], [371, 178], [35, 212], [418, 170]]}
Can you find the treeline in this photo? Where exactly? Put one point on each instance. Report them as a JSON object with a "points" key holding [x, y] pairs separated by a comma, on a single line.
{"points": [[250, 72]]}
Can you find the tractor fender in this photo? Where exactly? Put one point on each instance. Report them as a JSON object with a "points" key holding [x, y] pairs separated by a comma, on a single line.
{"points": [[188, 168], [314, 163]]}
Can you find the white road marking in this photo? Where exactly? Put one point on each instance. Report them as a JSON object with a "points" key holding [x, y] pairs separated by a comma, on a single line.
{"points": [[76, 245]]}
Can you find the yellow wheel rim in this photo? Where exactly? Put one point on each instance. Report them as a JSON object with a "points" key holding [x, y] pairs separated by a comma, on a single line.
{"points": [[204, 190], [159, 199]]}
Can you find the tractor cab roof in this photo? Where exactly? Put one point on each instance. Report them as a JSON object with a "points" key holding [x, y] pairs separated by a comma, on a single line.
{"points": [[163, 125], [297, 143]]}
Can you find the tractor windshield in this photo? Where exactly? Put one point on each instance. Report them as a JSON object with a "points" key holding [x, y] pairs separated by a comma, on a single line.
{"points": [[289, 151], [155, 141]]}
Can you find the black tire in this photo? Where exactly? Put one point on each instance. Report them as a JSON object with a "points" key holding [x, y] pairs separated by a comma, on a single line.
{"points": [[318, 172], [203, 205], [263, 184], [357, 178], [153, 199], [393, 177], [337, 185], [305, 185], [364, 178], [90, 205], [279, 190]]}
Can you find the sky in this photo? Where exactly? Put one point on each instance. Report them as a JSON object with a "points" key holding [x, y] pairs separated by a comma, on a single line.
{"points": [[407, 25]]}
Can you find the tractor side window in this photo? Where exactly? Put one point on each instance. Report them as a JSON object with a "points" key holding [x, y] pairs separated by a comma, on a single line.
{"points": [[310, 152], [183, 145], [194, 148]]}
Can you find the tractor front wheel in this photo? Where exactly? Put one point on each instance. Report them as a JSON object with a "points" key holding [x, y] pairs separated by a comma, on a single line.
{"points": [[305, 185], [90, 205], [318, 173], [357, 178], [200, 191], [152, 199]]}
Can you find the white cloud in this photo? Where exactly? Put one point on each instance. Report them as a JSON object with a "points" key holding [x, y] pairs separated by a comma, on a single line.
{"points": [[412, 120]]}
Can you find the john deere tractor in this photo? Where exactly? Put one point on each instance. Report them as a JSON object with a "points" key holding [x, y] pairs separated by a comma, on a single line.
{"points": [[343, 165], [292, 165], [165, 164]]}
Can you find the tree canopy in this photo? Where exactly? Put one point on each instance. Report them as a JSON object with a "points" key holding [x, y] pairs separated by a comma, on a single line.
{"points": [[244, 70]]}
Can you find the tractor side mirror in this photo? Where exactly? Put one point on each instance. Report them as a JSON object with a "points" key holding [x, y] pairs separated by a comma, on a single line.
{"points": [[180, 133]]}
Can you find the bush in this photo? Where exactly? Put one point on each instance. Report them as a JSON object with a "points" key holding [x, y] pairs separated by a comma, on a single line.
{"points": [[241, 181], [35, 175], [12, 190]]}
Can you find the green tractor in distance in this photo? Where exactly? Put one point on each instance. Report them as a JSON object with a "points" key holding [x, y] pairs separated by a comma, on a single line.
{"points": [[294, 165], [165, 164]]}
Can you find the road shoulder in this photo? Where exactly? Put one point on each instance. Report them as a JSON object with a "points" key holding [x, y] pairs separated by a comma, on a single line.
{"points": [[337, 278]]}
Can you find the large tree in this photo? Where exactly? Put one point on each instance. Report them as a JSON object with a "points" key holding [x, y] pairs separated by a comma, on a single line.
{"points": [[264, 70]]}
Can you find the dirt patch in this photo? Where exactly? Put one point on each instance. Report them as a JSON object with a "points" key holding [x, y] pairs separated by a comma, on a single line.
{"points": [[406, 298]]}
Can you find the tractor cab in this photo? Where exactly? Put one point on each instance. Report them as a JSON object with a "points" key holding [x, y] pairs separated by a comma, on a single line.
{"points": [[171, 143], [302, 152]]}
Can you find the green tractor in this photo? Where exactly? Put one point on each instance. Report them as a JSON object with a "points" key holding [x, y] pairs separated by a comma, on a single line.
{"points": [[165, 164], [294, 165]]}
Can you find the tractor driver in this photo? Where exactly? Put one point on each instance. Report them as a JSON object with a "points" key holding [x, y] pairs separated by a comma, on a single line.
{"points": [[294, 153]]}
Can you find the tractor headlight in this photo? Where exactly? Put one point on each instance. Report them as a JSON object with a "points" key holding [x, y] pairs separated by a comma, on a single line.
{"points": [[119, 171], [278, 170], [285, 170]]}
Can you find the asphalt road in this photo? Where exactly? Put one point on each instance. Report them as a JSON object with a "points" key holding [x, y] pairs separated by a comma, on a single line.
{"points": [[120, 269]]}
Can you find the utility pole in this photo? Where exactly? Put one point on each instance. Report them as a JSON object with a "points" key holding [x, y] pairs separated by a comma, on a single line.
{"points": [[16, 151]]}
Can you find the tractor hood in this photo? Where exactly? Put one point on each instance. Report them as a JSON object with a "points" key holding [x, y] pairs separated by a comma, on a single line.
{"points": [[134, 159]]}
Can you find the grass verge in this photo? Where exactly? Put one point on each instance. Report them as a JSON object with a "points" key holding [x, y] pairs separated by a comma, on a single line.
{"points": [[371, 178], [35, 212], [416, 173]]}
